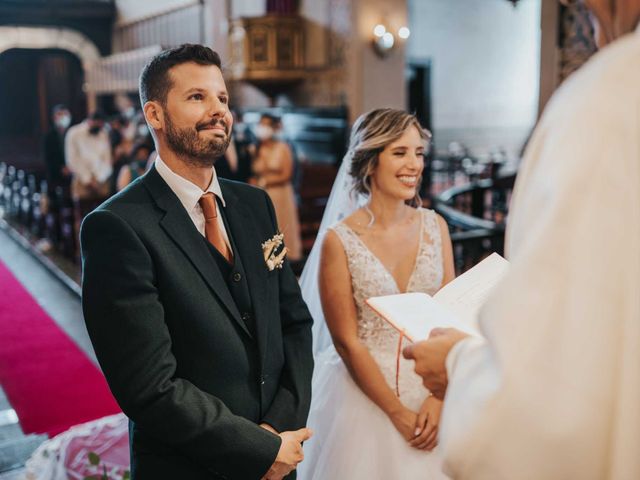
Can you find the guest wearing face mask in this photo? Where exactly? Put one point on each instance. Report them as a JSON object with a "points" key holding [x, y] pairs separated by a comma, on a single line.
{"points": [[272, 170], [123, 138], [88, 157], [53, 148], [136, 167]]}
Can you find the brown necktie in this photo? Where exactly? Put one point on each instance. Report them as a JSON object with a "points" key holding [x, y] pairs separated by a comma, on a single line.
{"points": [[211, 227]]}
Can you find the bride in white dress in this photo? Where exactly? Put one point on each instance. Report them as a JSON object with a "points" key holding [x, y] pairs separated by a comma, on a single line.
{"points": [[371, 416]]}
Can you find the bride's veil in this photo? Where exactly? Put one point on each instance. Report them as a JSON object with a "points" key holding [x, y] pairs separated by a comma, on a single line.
{"points": [[343, 201]]}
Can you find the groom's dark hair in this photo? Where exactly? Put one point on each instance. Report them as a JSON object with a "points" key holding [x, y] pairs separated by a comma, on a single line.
{"points": [[155, 81]]}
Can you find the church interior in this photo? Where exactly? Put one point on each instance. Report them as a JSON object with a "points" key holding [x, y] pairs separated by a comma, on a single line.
{"points": [[476, 73]]}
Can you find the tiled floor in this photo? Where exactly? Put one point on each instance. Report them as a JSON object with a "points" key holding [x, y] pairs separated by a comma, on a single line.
{"points": [[62, 305]]}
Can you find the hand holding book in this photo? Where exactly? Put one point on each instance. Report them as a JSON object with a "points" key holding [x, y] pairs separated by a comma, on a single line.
{"points": [[454, 306], [430, 357]]}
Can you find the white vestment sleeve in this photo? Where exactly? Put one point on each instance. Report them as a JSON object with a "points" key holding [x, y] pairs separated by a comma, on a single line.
{"points": [[554, 392], [473, 378]]}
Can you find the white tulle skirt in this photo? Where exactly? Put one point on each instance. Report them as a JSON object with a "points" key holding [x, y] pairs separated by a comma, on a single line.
{"points": [[353, 439]]}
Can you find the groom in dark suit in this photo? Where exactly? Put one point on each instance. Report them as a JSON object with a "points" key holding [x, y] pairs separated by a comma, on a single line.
{"points": [[195, 316]]}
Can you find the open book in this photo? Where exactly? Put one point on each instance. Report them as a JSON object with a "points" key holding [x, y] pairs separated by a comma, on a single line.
{"points": [[456, 305]]}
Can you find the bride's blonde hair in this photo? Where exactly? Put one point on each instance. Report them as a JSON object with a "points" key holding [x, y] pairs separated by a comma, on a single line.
{"points": [[370, 134]]}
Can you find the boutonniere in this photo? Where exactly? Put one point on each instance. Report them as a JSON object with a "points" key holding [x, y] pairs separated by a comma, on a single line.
{"points": [[272, 257]]}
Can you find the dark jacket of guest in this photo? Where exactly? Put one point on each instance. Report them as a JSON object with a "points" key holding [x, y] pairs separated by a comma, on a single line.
{"points": [[53, 152], [242, 172]]}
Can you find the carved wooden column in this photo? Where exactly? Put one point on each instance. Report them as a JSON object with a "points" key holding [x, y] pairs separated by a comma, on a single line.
{"points": [[577, 37]]}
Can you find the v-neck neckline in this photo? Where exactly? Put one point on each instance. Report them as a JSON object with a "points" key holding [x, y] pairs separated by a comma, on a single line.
{"points": [[384, 268]]}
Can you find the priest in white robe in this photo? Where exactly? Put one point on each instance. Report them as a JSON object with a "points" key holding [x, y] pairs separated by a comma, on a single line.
{"points": [[553, 389]]}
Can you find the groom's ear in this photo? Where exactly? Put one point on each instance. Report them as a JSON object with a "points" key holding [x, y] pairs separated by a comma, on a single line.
{"points": [[154, 115]]}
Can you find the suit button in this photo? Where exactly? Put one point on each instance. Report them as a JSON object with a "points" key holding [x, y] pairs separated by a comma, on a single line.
{"points": [[262, 379], [237, 277], [246, 316]]}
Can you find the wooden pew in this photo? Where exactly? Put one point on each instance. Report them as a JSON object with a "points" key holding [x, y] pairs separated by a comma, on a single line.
{"points": [[476, 214], [315, 186]]}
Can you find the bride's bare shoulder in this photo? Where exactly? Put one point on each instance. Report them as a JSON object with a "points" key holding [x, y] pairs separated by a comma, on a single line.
{"points": [[333, 251]]}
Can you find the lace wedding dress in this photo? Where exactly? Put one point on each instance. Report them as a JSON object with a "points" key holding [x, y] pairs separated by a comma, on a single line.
{"points": [[353, 438]]}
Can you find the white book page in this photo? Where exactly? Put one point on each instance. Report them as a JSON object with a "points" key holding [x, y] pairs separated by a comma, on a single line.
{"points": [[415, 314], [456, 305], [465, 295]]}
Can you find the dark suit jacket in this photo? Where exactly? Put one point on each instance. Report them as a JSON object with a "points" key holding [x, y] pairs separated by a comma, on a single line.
{"points": [[243, 172], [178, 357], [53, 151]]}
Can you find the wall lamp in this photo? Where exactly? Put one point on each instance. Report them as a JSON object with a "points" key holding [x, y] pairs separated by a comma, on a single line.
{"points": [[383, 40]]}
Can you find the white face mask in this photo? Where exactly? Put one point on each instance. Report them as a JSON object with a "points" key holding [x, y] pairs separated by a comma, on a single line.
{"points": [[264, 132], [63, 122], [129, 113]]}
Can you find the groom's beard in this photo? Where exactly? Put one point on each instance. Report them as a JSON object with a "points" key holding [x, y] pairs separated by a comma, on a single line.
{"points": [[186, 142]]}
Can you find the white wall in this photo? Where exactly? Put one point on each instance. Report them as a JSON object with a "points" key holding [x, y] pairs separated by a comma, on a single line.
{"points": [[132, 10], [485, 68], [248, 8], [377, 82]]}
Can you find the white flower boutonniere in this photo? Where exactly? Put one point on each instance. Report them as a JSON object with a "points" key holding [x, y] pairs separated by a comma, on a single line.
{"points": [[272, 257]]}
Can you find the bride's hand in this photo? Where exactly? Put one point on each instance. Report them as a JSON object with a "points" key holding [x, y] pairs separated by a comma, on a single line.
{"points": [[426, 427], [405, 422]]}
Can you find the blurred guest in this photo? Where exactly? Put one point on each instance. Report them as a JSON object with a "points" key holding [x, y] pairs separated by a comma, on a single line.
{"points": [[115, 131], [57, 172], [296, 176], [122, 134], [137, 166], [273, 170], [142, 130], [125, 131], [88, 157], [235, 164]]}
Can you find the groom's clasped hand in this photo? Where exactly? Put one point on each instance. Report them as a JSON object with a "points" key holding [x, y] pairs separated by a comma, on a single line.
{"points": [[290, 453]]}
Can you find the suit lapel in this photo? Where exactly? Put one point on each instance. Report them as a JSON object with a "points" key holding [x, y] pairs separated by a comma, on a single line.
{"points": [[178, 225], [248, 241]]}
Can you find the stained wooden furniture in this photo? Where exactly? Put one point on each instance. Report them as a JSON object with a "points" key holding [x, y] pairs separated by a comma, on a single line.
{"points": [[476, 214], [267, 50]]}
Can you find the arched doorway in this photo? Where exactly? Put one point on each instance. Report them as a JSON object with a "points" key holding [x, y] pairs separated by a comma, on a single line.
{"points": [[31, 83], [39, 68]]}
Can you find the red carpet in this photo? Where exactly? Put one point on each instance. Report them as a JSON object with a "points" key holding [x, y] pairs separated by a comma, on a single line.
{"points": [[49, 381]]}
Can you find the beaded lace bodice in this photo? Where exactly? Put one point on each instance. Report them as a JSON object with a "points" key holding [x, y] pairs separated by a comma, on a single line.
{"points": [[370, 278]]}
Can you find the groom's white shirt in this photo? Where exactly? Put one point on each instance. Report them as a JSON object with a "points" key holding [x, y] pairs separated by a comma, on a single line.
{"points": [[189, 195], [554, 390]]}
